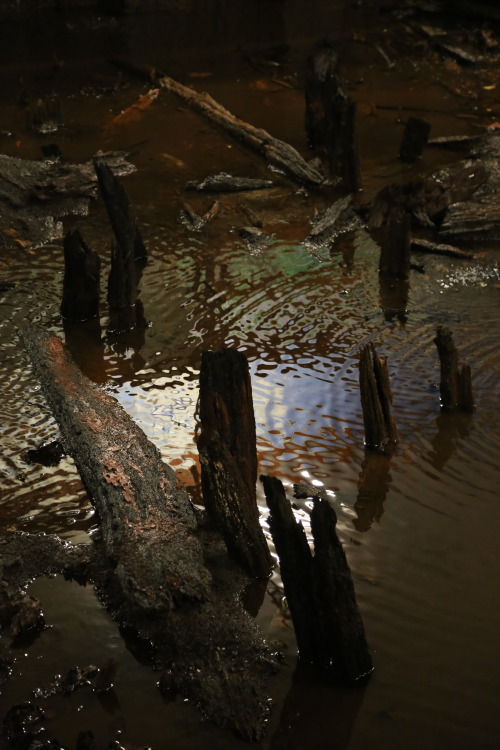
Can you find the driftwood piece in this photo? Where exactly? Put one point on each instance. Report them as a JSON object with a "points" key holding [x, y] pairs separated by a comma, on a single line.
{"points": [[319, 589], [473, 221], [277, 152], [439, 248], [193, 220], [376, 399], [228, 456], [35, 194], [158, 579], [455, 384], [333, 221], [81, 282], [415, 137], [395, 250], [226, 183]]}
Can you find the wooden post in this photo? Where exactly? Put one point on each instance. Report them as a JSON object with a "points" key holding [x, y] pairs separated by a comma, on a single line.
{"points": [[376, 399], [228, 457], [81, 291], [122, 220], [342, 142], [319, 589], [321, 86], [415, 137], [455, 386], [396, 247]]}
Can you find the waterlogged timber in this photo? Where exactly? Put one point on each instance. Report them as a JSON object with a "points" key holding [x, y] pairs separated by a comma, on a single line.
{"points": [[157, 578], [419, 527]]}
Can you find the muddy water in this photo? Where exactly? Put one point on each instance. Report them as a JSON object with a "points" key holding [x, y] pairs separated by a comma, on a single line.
{"points": [[420, 530]]}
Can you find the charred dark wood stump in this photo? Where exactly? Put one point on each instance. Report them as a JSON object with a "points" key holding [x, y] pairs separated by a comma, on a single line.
{"points": [[376, 399], [455, 385], [415, 137], [161, 572], [228, 456], [342, 142], [395, 252], [81, 283], [319, 589], [321, 86], [120, 214]]}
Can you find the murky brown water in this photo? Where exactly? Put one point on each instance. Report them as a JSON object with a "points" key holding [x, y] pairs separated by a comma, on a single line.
{"points": [[421, 529]]}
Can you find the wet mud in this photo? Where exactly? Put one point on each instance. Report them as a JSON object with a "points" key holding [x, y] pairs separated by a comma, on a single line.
{"points": [[272, 273]]}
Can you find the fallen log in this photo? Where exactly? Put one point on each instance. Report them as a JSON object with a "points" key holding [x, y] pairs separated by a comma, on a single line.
{"points": [[473, 221], [439, 248], [376, 399], [167, 576], [228, 456], [226, 183], [277, 152], [319, 589], [335, 220]]}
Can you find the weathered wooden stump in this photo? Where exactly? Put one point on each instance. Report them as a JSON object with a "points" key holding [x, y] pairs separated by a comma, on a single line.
{"points": [[395, 252], [321, 86], [455, 385], [319, 589], [376, 399], [228, 457], [81, 282], [415, 137], [342, 142], [120, 214]]}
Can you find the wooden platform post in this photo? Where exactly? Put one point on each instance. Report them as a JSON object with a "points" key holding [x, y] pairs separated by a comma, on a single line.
{"points": [[376, 398], [415, 137], [342, 142], [320, 87], [319, 589], [228, 457], [81, 282], [455, 385]]}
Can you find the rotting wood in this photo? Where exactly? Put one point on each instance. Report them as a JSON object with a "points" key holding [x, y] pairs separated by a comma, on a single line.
{"points": [[277, 152], [226, 183], [376, 398], [335, 220], [166, 576], [194, 220], [228, 457], [81, 282], [341, 142], [395, 250], [319, 589], [473, 221], [320, 86], [438, 248], [455, 385], [415, 137]]}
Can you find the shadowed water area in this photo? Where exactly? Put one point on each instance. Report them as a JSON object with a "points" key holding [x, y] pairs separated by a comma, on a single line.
{"points": [[419, 528]]}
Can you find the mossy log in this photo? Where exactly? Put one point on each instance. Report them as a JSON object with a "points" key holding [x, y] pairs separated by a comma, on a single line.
{"points": [[167, 575], [319, 589]]}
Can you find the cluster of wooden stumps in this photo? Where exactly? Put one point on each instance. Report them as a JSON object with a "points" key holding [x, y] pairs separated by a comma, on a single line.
{"points": [[81, 285]]}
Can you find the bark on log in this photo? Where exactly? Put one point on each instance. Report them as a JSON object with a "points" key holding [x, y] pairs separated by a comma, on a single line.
{"points": [[81, 283], [228, 456], [415, 137], [160, 579], [277, 152], [395, 250], [455, 385], [376, 399], [473, 221], [439, 248], [319, 589]]}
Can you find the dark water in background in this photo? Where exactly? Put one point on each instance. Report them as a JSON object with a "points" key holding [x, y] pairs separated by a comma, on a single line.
{"points": [[420, 530]]}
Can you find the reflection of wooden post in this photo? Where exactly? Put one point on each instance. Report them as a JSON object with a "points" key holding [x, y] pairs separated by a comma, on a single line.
{"points": [[319, 589], [455, 385], [376, 400], [415, 137], [396, 247], [228, 457], [80, 299]]}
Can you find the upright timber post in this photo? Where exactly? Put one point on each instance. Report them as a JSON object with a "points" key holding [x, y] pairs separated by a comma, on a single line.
{"points": [[376, 399], [319, 589], [228, 457], [455, 385], [81, 292]]}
